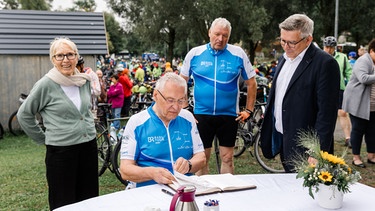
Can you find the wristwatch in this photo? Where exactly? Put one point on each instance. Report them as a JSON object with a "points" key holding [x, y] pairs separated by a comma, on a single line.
{"points": [[189, 165], [248, 111]]}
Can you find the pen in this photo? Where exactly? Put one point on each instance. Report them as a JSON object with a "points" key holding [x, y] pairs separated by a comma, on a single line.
{"points": [[167, 192]]}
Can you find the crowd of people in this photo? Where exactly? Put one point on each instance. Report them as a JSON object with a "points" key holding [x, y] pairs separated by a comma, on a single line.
{"points": [[310, 89]]}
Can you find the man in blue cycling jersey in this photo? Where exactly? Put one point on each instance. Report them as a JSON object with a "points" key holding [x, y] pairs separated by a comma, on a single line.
{"points": [[216, 69], [162, 139]]}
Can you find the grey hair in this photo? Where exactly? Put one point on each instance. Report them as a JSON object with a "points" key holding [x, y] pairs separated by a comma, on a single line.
{"points": [[221, 22], [58, 42], [172, 78], [298, 22]]}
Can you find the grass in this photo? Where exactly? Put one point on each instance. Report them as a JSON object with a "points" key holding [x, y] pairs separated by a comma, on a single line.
{"points": [[23, 184]]}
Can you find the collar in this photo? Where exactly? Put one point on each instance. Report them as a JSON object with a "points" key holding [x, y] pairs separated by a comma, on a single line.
{"points": [[215, 52]]}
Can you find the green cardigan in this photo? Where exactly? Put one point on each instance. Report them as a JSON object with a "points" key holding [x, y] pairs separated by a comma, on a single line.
{"points": [[65, 124]]}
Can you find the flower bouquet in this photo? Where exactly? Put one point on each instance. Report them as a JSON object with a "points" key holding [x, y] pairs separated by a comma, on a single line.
{"points": [[327, 170]]}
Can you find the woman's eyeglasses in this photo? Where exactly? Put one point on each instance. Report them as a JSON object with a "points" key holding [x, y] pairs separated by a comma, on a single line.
{"points": [[69, 56]]}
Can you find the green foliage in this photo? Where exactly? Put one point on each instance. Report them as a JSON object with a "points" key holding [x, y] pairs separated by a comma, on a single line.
{"points": [[173, 22], [85, 5], [9, 4], [115, 34], [34, 5]]}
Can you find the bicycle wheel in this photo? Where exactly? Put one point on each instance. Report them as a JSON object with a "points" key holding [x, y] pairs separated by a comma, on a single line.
{"points": [[116, 163], [240, 144], [272, 165], [13, 125], [1, 131], [103, 148]]}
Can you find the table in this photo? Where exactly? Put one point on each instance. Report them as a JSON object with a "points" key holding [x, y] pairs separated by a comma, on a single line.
{"points": [[273, 192]]}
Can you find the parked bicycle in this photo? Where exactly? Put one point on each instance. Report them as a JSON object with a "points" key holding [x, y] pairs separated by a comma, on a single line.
{"points": [[107, 140], [13, 124], [248, 135]]}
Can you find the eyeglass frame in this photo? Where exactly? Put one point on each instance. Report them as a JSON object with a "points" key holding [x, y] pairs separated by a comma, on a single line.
{"points": [[172, 101], [65, 55], [291, 44]]}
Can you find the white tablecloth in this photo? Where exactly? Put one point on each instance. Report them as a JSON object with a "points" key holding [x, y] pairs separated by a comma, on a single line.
{"points": [[273, 192]]}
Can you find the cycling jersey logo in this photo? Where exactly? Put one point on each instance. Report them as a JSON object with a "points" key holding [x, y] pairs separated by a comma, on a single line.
{"points": [[155, 139], [206, 63], [182, 139]]}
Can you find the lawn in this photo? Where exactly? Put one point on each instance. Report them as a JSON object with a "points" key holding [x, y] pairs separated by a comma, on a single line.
{"points": [[23, 184]]}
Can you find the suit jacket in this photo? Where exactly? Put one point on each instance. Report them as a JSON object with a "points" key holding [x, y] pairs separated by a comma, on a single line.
{"points": [[310, 102]]}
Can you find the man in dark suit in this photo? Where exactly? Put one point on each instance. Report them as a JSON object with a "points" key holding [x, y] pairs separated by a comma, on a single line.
{"points": [[304, 94]]}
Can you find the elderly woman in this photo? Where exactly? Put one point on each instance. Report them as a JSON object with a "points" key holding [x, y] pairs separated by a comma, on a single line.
{"points": [[62, 97], [359, 102]]}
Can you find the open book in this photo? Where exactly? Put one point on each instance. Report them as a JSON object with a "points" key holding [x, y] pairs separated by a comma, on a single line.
{"points": [[207, 184]]}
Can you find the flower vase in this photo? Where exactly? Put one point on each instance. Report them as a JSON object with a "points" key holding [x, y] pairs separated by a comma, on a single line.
{"points": [[329, 197]]}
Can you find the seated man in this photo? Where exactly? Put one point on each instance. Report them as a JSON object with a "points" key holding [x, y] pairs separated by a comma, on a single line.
{"points": [[162, 139]]}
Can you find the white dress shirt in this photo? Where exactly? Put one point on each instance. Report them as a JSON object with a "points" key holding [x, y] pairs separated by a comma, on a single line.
{"points": [[282, 83]]}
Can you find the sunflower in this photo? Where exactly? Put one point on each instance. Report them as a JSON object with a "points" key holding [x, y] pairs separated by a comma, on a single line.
{"points": [[325, 176], [332, 158]]}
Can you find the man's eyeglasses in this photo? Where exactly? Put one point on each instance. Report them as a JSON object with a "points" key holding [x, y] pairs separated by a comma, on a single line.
{"points": [[291, 44], [69, 56], [171, 101]]}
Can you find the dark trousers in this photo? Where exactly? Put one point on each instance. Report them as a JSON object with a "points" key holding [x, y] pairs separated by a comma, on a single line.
{"points": [[362, 127], [126, 107], [72, 173]]}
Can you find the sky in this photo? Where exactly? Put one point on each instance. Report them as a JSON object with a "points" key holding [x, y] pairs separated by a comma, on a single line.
{"points": [[100, 5]]}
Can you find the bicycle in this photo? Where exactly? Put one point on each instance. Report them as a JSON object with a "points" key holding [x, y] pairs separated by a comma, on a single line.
{"points": [[245, 128], [248, 135], [142, 97], [13, 124], [106, 142]]}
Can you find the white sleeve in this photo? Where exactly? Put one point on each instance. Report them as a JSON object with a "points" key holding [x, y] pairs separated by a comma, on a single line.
{"points": [[128, 142], [95, 84]]}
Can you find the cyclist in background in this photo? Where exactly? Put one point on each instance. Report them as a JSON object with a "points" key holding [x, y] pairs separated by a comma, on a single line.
{"points": [[330, 44], [352, 57], [95, 84]]}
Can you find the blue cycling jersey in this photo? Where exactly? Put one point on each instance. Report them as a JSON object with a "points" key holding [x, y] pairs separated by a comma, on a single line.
{"points": [[216, 77], [150, 143]]}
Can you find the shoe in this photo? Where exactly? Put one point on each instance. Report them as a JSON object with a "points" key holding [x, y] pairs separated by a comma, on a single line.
{"points": [[361, 165], [370, 161]]}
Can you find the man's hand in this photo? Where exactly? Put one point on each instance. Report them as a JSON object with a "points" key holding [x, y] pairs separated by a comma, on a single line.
{"points": [[181, 165], [312, 161], [162, 176], [243, 116]]}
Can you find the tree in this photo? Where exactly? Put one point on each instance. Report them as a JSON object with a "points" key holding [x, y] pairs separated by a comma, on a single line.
{"points": [[175, 21], [115, 34], [35, 4], [357, 21], [84, 5], [155, 22], [9, 4]]}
